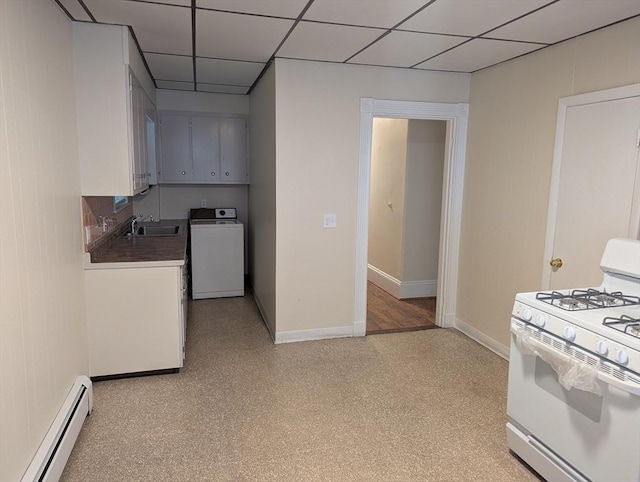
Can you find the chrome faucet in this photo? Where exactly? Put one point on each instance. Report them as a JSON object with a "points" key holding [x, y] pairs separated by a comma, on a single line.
{"points": [[134, 226]]}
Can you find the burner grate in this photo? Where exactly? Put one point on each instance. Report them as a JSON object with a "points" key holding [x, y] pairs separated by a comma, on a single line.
{"points": [[624, 323], [587, 299]]}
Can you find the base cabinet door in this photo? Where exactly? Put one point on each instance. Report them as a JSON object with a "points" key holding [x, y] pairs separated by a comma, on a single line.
{"points": [[134, 319]]}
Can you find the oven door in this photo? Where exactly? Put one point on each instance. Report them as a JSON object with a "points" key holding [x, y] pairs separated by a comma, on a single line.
{"points": [[571, 434]]}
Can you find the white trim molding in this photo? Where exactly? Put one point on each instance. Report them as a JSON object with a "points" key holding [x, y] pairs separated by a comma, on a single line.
{"points": [[456, 116], [401, 289], [315, 334], [486, 341]]}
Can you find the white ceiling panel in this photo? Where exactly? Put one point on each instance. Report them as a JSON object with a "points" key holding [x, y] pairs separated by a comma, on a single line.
{"points": [[566, 19], [158, 28], [214, 71], [239, 37], [404, 49], [170, 67], [369, 13], [222, 89], [76, 10], [321, 41], [477, 54], [468, 17], [166, 84], [274, 8], [184, 3]]}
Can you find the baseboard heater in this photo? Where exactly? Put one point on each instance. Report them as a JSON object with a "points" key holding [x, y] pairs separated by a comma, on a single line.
{"points": [[48, 463]]}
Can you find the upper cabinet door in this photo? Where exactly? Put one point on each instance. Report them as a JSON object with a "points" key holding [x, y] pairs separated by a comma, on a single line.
{"points": [[233, 149], [176, 148], [205, 145], [203, 149]]}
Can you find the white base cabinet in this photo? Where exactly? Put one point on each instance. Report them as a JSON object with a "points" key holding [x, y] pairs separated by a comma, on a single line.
{"points": [[136, 319]]}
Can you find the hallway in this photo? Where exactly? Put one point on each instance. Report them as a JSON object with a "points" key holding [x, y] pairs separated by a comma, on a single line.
{"points": [[387, 314]]}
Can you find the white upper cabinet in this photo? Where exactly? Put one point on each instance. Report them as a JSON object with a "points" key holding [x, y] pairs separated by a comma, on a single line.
{"points": [[115, 111], [203, 149]]}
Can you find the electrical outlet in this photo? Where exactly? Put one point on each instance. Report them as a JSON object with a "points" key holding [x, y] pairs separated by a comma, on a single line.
{"points": [[203, 203], [330, 221]]}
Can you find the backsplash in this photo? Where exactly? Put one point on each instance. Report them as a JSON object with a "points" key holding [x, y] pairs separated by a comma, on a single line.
{"points": [[98, 218]]}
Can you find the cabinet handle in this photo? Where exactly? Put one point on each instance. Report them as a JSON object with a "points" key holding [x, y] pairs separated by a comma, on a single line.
{"points": [[184, 172], [226, 173], [213, 173]]}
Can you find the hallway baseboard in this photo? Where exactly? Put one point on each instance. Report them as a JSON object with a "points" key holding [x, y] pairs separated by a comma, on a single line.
{"points": [[401, 289]]}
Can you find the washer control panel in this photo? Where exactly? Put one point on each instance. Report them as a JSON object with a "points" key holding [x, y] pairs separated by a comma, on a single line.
{"points": [[225, 213]]}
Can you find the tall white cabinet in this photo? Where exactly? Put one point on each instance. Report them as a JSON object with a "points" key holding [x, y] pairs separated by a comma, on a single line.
{"points": [[203, 149], [115, 112]]}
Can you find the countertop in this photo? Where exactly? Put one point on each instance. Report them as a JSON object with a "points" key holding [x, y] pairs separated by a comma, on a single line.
{"points": [[141, 251]]}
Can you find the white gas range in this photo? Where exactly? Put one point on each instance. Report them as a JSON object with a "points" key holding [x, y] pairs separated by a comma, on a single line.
{"points": [[574, 375]]}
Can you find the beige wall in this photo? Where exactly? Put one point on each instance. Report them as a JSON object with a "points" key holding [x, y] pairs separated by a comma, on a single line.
{"points": [[262, 197], [425, 165], [43, 343], [387, 195], [318, 127], [509, 158]]}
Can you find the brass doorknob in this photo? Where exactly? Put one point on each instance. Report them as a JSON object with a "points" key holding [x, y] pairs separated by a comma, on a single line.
{"points": [[556, 263]]}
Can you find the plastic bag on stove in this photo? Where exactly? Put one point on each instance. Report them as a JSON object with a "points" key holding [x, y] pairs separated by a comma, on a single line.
{"points": [[572, 373]]}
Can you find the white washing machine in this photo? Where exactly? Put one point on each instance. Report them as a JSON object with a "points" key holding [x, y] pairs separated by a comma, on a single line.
{"points": [[217, 255]]}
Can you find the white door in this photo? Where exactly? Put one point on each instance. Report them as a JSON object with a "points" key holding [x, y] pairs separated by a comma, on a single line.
{"points": [[598, 180], [233, 149], [205, 146], [175, 143]]}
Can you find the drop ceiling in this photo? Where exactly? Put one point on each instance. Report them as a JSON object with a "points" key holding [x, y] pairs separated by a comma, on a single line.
{"points": [[224, 45]]}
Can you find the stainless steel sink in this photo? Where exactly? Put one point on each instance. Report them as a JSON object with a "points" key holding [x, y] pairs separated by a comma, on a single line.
{"points": [[171, 230]]}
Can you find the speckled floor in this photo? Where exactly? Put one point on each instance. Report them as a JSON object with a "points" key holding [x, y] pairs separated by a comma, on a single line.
{"points": [[426, 405]]}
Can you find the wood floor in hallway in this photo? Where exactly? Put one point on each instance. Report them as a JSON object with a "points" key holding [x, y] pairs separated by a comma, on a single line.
{"points": [[387, 314]]}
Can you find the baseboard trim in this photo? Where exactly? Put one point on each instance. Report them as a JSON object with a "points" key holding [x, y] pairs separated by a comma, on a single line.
{"points": [[315, 334], [486, 341], [385, 281], [401, 289], [418, 289]]}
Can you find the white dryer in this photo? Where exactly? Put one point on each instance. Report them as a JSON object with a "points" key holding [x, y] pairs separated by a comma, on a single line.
{"points": [[217, 255]]}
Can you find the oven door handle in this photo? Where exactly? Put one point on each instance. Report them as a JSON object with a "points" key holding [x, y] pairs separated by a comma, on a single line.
{"points": [[628, 386]]}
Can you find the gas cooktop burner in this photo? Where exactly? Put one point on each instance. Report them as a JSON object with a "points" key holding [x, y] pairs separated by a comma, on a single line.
{"points": [[588, 299], [624, 323]]}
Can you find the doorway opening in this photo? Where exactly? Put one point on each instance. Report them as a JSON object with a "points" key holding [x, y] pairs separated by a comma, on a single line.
{"points": [[405, 200], [455, 116]]}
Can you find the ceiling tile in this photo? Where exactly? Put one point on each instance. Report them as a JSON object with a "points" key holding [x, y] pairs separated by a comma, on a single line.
{"points": [[238, 37], [405, 49], [222, 89], [166, 84], [214, 71], [158, 28], [566, 19], [477, 54], [275, 8], [184, 3], [321, 41], [468, 17], [369, 13], [76, 10], [170, 67]]}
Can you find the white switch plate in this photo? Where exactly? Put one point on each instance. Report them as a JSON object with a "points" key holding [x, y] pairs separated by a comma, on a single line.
{"points": [[330, 221], [203, 203]]}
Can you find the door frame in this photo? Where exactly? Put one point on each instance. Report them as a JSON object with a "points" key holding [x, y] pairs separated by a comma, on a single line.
{"points": [[456, 116], [564, 103]]}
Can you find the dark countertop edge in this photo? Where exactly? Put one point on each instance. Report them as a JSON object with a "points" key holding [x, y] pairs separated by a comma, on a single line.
{"points": [[106, 254]]}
